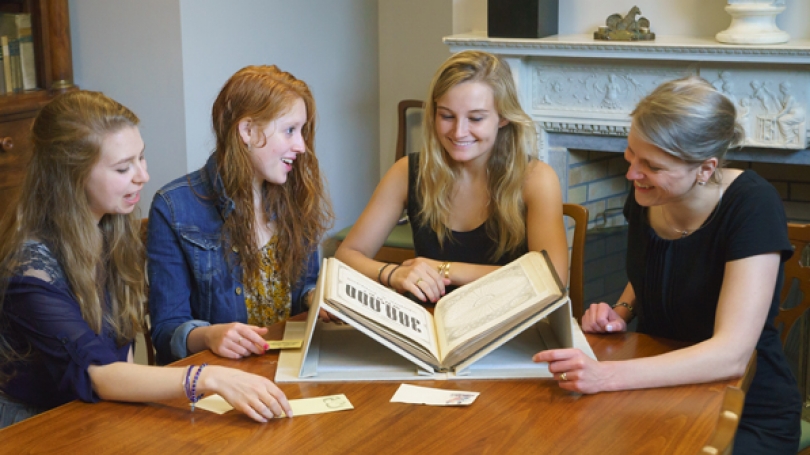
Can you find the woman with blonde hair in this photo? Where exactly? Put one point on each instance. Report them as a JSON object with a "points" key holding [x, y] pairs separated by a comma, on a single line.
{"points": [[72, 270], [476, 197], [233, 247], [706, 248]]}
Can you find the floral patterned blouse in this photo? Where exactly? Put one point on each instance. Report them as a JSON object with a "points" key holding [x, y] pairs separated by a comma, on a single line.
{"points": [[269, 299]]}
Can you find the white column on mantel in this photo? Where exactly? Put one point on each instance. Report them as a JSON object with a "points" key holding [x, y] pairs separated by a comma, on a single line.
{"points": [[575, 85]]}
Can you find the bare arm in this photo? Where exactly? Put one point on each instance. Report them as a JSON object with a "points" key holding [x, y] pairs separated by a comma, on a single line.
{"points": [[745, 298], [376, 222], [545, 228], [254, 395]]}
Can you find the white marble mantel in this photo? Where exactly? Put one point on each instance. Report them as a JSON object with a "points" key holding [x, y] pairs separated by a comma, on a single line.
{"points": [[580, 91]]}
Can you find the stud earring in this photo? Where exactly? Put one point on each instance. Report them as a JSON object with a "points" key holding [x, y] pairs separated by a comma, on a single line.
{"points": [[701, 183]]}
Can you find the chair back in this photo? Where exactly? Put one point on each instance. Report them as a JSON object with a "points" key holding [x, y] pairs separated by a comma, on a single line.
{"points": [[722, 440], [579, 215], [796, 274], [794, 302], [147, 333], [409, 126]]}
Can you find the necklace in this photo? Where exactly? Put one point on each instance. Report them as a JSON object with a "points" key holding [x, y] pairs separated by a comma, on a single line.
{"points": [[685, 232]]}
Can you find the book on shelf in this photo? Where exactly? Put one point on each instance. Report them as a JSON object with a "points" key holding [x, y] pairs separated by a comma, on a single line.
{"points": [[17, 27], [27, 60], [2, 71], [8, 80], [522, 304]]}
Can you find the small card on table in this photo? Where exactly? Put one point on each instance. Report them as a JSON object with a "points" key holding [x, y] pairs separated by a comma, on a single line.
{"points": [[407, 393], [284, 344], [300, 407]]}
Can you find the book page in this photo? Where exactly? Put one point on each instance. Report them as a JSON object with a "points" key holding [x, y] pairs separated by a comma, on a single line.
{"points": [[496, 301], [388, 310]]}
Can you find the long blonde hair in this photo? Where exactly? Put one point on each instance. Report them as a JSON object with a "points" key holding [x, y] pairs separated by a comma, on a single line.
{"points": [[300, 206], [98, 259], [515, 145]]}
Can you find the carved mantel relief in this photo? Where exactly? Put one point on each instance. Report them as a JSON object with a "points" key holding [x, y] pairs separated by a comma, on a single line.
{"points": [[771, 111], [575, 84], [565, 96]]}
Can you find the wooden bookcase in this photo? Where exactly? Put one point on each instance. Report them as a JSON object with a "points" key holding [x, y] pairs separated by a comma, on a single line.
{"points": [[54, 62]]}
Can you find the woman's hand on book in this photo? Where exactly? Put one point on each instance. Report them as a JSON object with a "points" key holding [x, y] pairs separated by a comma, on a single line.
{"points": [[420, 277], [235, 340], [575, 371], [601, 318], [251, 394]]}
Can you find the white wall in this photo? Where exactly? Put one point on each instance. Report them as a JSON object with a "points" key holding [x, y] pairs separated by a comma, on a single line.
{"points": [[410, 51], [167, 59], [330, 45], [133, 55], [684, 17]]}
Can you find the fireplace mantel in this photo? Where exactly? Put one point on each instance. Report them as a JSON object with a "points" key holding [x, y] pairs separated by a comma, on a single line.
{"points": [[580, 91]]}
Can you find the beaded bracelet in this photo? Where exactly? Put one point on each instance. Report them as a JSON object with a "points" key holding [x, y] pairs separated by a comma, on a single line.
{"points": [[192, 394], [186, 382]]}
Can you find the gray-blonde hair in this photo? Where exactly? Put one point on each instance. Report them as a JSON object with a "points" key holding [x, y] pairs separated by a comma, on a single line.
{"points": [[689, 119]]}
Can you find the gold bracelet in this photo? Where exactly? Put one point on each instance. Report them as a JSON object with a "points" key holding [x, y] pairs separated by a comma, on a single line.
{"points": [[444, 269]]}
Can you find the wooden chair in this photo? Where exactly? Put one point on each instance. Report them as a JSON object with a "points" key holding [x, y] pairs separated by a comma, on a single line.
{"points": [[398, 247], [722, 441], [406, 110], [797, 278], [147, 335], [579, 214], [795, 274]]}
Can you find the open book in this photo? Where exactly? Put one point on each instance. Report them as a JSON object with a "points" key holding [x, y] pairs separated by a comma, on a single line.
{"points": [[467, 323]]}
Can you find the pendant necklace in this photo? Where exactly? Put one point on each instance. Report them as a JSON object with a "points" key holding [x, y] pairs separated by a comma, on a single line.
{"points": [[685, 232]]}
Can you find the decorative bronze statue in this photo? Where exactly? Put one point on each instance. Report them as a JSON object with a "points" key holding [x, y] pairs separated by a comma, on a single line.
{"points": [[625, 28]]}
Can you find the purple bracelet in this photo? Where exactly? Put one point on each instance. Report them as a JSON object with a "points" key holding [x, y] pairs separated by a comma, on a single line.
{"points": [[194, 397], [187, 383]]}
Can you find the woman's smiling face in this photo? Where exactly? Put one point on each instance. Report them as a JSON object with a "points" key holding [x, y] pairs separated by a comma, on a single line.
{"points": [[657, 176]]}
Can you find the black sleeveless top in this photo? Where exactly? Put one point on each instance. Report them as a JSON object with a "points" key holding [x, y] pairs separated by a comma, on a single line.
{"points": [[473, 247]]}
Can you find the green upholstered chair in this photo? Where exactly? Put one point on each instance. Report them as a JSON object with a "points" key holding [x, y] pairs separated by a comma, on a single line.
{"points": [[398, 246]]}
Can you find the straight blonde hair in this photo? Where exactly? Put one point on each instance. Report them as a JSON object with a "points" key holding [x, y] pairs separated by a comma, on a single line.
{"points": [[508, 163]]}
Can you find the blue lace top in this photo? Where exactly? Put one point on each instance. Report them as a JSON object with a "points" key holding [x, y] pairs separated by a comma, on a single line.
{"points": [[40, 313]]}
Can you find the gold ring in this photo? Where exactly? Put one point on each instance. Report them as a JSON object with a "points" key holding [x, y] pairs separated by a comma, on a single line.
{"points": [[563, 378], [418, 281]]}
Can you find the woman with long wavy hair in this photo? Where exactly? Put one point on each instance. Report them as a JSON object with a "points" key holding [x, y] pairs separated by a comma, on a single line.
{"points": [[476, 197], [232, 247], [72, 275]]}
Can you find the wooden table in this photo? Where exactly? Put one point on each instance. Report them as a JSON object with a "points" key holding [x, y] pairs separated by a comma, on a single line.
{"points": [[510, 416]]}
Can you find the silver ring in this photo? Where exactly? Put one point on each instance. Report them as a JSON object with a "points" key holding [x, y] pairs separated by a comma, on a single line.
{"points": [[563, 377]]}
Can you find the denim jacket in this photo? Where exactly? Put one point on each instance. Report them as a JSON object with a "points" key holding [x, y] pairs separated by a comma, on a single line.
{"points": [[190, 282]]}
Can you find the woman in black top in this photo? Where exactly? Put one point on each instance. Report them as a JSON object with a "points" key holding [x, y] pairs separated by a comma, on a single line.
{"points": [[705, 252], [475, 196]]}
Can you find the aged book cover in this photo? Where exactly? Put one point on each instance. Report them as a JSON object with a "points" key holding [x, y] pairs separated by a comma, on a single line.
{"points": [[467, 325]]}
